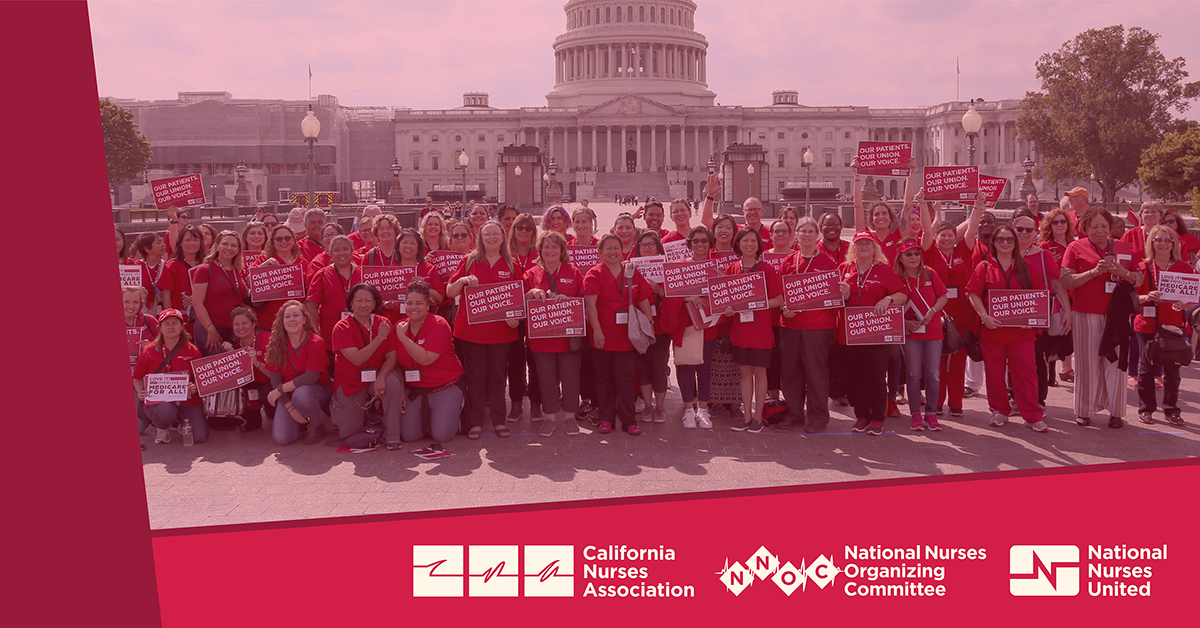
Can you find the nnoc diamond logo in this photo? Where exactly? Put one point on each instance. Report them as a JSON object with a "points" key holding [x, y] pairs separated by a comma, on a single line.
{"points": [[763, 565]]}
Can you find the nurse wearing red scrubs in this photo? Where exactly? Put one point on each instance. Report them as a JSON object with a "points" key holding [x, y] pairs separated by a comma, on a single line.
{"points": [[280, 250], [171, 352], [750, 332], [217, 288], [299, 379]]}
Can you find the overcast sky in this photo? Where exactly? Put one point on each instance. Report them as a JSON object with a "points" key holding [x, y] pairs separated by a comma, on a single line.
{"points": [[424, 54]]}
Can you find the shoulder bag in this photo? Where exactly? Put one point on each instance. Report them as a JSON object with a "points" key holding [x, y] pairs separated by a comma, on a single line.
{"points": [[641, 329]]}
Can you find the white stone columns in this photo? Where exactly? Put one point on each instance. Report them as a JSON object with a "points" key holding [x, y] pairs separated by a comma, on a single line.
{"points": [[653, 148], [638, 150]]}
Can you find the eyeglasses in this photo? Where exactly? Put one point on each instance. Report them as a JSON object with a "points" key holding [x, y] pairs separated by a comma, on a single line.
{"points": [[461, 236], [1164, 240], [283, 238], [780, 231], [646, 245], [699, 240], [1025, 229], [1059, 221], [523, 229], [1003, 239]]}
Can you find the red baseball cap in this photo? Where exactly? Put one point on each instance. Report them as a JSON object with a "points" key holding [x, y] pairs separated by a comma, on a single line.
{"points": [[863, 235], [169, 312], [907, 245]]}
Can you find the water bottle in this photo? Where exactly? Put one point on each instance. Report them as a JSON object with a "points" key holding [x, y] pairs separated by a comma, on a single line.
{"points": [[185, 430]]}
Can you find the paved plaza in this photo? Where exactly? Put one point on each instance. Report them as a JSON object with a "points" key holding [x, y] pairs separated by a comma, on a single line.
{"points": [[244, 478]]}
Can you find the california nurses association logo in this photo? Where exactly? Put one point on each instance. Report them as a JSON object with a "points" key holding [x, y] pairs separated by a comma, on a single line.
{"points": [[492, 571], [763, 565]]}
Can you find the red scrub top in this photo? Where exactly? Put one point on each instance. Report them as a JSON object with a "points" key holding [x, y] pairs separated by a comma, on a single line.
{"points": [[989, 275], [348, 333], [152, 357], [567, 281], [755, 334], [328, 289], [435, 335], [485, 333], [613, 296], [797, 264]]}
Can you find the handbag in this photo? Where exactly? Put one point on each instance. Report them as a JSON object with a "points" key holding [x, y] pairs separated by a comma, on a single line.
{"points": [[691, 352], [641, 329], [951, 340], [1169, 348], [226, 403], [970, 344]]}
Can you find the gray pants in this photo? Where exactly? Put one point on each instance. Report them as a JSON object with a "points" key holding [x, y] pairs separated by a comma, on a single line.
{"points": [[162, 415], [804, 375], [311, 401], [349, 413], [555, 369], [445, 406]]}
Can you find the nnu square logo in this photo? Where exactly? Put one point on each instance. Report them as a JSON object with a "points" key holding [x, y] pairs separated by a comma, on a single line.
{"points": [[1043, 570], [549, 571]]}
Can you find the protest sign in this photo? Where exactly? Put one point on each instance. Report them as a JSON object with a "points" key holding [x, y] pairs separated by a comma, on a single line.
{"points": [[494, 302], [688, 279], [812, 291], [251, 258], [1020, 308], [391, 281], [723, 258], [951, 183], [650, 266], [184, 191], [889, 159], [131, 274], [743, 292], [135, 336], [445, 262], [775, 259], [222, 372], [991, 186], [272, 283], [865, 327], [677, 251], [1124, 254], [584, 257], [556, 319], [702, 317], [1183, 287], [161, 387]]}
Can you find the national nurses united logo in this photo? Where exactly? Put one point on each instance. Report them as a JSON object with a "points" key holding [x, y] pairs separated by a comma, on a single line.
{"points": [[493, 571], [763, 565], [1043, 570]]}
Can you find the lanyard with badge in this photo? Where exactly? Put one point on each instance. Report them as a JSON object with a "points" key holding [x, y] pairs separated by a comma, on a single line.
{"points": [[1110, 284], [861, 279], [912, 304], [345, 286], [296, 351], [1150, 310], [623, 306], [951, 288], [748, 315], [413, 375], [366, 376]]}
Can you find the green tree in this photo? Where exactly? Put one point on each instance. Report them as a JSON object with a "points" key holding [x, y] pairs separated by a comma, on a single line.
{"points": [[125, 148], [1172, 167], [1106, 96]]}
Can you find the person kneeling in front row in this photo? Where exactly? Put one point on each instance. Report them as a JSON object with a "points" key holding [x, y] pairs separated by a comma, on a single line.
{"points": [[364, 360], [432, 372]]}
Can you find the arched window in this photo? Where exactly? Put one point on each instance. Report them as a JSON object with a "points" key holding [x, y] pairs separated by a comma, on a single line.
{"points": [[618, 14], [652, 20], [629, 14], [607, 14], [589, 18], [672, 17], [662, 16], [641, 14], [597, 15]]}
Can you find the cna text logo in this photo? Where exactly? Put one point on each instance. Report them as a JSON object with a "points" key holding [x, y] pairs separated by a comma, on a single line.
{"points": [[763, 565], [492, 571]]}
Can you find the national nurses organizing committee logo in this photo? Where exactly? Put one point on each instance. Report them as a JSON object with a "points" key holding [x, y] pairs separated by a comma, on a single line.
{"points": [[763, 565], [492, 571], [1043, 570]]}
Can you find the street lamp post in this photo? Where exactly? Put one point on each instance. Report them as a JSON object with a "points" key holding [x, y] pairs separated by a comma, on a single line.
{"points": [[972, 122], [517, 171], [213, 186], [808, 162], [396, 194], [463, 162], [310, 126], [749, 180]]}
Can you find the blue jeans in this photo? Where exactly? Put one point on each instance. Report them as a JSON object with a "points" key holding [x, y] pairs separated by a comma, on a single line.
{"points": [[164, 414], [445, 407], [311, 401], [924, 359], [695, 379], [142, 419]]}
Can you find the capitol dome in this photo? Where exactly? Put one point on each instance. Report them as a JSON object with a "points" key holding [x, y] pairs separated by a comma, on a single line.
{"points": [[615, 48]]}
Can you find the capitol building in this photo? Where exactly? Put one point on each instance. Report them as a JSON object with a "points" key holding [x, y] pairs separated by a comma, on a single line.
{"points": [[630, 112]]}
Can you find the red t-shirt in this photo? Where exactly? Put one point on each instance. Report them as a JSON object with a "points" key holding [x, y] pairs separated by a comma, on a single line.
{"points": [[888, 244], [435, 336], [879, 281], [320, 260], [485, 333], [176, 279], [922, 293], [755, 334], [613, 297], [566, 281], [225, 291], [979, 252], [839, 254], [356, 240], [526, 261], [1189, 245], [328, 289], [309, 356], [796, 264], [765, 232], [1056, 249], [1164, 314], [954, 271], [989, 275], [376, 257], [311, 248], [152, 357], [426, 271], [270, 309], [348, 333], [1082, 256], [672, 236], [1137, 237], [150, 277]]}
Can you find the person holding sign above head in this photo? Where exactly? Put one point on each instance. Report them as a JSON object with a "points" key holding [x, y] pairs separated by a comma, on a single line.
{"points": [[522, 235], [923, 327], [485, 346], [300, 382], [247, 335], [171, 352], [365, 357], [280, 250], [1091, 270], [653, 370], [176, 279], [1162, 255], [217, 288], [880, 219], [177, 221], [326, 295], [805, 337], [609, 289], [867, 281], [583, 223], [750, 334], [557, 360], [432, 372], [1007, 348]]}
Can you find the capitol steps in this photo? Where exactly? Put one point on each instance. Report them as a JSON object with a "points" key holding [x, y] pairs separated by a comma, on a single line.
{"points": [[641, 184]]}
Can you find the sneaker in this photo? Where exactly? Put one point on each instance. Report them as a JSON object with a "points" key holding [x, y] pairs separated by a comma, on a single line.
{"points": [[316, 434], [639, 406], [842, 401], [689, 419], [860, 426], [1039, 426], [1012, 407], [918, 425], [893, 409], [703, 420], [875, 428], [956, 412], [571, 427], [736, 413], [741, 427], [660, 414], [969, 392], [1133, 382], [632, 429], [514, 415], [162, 436], [547, 428], [755, 427], [605, 427], [395, 445], [1146, 417], [999, 419], [941, 410], [934, 426], [1115, 422], [535, 411], [1176, 420]]}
